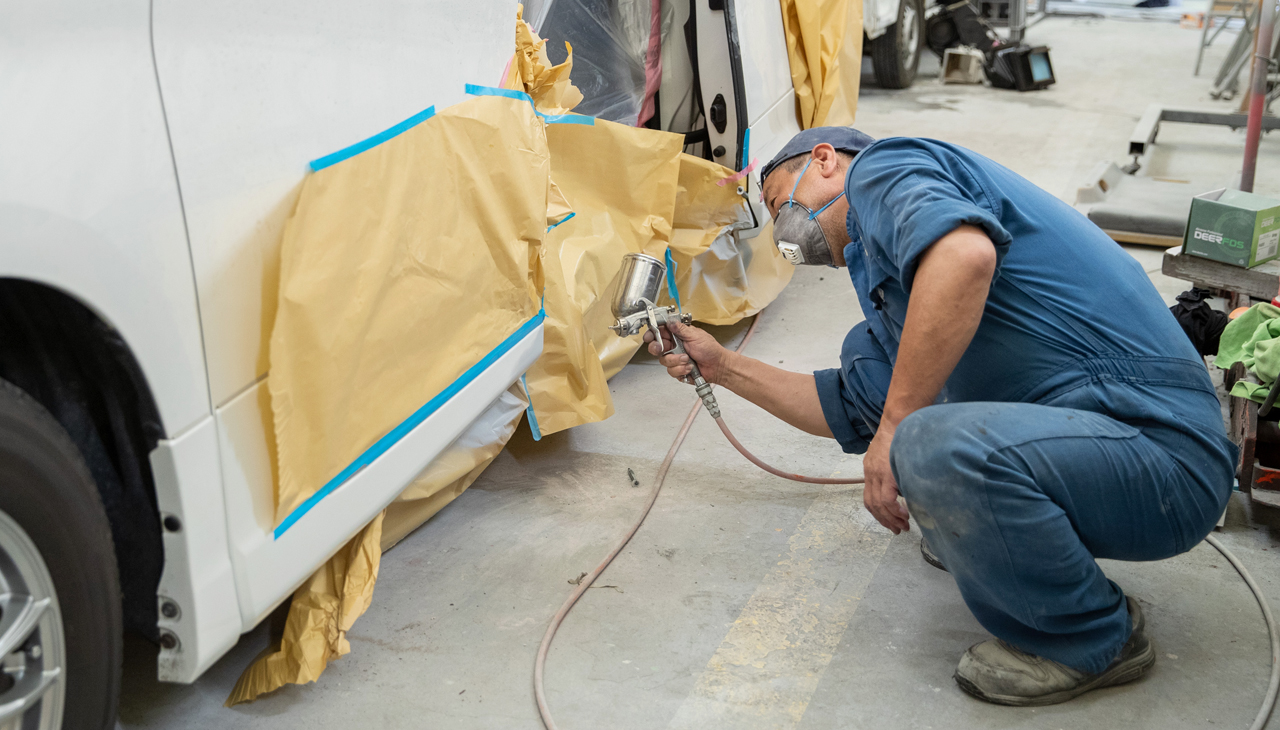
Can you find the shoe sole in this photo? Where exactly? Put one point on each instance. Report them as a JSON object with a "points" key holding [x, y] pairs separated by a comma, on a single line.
{"points": [[1128, 671]]}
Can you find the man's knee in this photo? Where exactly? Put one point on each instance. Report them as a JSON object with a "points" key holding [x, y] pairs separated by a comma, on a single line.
{"points": [[939, 454]]}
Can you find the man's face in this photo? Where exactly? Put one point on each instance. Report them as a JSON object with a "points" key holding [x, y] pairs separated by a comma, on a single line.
{"points": [[821, 182]]}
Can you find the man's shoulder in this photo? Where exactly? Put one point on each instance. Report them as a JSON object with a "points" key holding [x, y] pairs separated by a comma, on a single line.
{"points": [[918, 151]]}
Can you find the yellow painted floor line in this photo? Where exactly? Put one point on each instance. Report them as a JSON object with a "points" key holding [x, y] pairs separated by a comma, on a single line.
{"points": [[769, 664]]}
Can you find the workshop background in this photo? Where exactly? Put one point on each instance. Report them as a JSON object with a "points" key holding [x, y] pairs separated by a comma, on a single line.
{"points": [[747, 601]]}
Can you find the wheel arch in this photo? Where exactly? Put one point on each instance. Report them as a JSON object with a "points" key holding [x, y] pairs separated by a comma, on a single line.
{"points": [[68, 357]]}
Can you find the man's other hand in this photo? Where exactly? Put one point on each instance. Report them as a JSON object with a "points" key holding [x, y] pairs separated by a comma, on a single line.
{"points": [[880, 493], [711, 356]]}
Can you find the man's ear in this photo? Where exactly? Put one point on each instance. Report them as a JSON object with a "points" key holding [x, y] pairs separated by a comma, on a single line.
{"points": [[826, 160]]}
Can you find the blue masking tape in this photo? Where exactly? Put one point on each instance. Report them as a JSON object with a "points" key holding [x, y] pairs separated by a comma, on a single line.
{"points": [[377, 139], [567, 119], [533, 417], [671, 279], [476, 90], [561, 220], [746, 149], [381, 445]]}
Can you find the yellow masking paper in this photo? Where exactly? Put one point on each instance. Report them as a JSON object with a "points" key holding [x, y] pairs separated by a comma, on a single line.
{"points": [[532, 72], [402, 267], [323, 611], [815, 32], [721, 279], [844, 108], [621, 185]]}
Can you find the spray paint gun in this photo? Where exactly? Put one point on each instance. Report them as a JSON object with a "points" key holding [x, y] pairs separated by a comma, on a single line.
{"points": [[641, 279]]}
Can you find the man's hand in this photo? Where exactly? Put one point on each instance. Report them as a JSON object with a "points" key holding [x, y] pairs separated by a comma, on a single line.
{"points": [[711, 356], [948, 297], [880, 493]]}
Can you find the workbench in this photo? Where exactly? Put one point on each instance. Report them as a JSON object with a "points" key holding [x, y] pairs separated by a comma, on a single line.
{"points": [[1260, 282], [1258, 439]]}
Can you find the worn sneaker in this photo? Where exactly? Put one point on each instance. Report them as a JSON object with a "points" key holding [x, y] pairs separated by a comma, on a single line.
{"points": [[997, 672], [930, 556]]}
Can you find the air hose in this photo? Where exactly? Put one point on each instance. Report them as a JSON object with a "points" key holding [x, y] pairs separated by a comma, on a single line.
{"points": [[539, 692]]}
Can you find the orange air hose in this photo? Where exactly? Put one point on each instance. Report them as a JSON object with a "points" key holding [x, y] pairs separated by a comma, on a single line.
{"points": [[539, 693]]}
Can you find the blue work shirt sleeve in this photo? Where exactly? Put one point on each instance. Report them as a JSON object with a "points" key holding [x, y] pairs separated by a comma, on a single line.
{"points": [[853, 395], [908, 193]]}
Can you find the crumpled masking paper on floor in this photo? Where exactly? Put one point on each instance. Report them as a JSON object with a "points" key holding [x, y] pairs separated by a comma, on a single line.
{"points": [[323, 611], [628, 190], [824, 46]]}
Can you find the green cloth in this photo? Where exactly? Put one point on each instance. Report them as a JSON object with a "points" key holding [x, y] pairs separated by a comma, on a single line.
{"points": [[1253, 338]]}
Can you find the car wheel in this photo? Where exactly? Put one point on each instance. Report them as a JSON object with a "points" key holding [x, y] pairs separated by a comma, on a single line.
{"points": [[895, 56], [60, 612]]}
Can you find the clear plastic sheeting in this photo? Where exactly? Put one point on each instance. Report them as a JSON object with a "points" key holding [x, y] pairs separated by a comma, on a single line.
{"points": [[611, 50]]}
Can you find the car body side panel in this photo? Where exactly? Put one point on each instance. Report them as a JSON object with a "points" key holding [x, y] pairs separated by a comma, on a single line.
{"points": [[197, 578], [269, 568], [766, 67], [255, 89], [88, 200]]}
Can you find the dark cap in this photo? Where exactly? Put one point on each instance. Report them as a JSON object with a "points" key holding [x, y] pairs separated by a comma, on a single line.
{"points": [[844, 139]]}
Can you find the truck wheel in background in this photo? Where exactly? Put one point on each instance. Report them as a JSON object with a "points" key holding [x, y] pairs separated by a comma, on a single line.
{"points": [[60, 613], [895, 56]]}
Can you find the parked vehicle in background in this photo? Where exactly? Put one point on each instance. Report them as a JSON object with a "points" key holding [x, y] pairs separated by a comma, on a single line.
{"points": [[152, 153], [894, 38]]}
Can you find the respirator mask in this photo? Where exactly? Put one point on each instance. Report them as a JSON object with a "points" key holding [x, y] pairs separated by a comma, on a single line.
{"points": [[796, 231]]}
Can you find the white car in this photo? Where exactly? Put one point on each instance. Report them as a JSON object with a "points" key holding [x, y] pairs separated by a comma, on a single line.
{"points": [[150, 152]]}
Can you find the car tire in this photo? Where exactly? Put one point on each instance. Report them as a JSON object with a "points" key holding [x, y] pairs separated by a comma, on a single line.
{"points": [[55, 539], [895, 56]]}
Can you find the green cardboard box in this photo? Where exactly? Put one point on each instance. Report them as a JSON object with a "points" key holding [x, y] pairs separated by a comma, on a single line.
{"points": [[1241, 229]]}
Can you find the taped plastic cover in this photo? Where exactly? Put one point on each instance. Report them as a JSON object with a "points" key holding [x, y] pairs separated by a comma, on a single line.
{"points": [[455, 469]]}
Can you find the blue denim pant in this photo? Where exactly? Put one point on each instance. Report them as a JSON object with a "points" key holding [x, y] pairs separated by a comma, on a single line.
{"points": [[1112, 456], [1018, 499]]}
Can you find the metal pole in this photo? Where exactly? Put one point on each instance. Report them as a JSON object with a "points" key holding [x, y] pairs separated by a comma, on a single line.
{"points": [[1257, 91], [1017, 20]]}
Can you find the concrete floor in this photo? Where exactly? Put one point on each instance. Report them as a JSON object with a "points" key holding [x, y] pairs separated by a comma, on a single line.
{"points": [[746, 601]]}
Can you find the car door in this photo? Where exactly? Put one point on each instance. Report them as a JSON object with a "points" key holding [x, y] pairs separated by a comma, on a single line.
{"points": [[745, 82], [254, 90]]}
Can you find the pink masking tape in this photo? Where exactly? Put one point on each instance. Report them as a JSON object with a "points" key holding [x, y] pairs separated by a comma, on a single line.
{"points": [[738, 175]]}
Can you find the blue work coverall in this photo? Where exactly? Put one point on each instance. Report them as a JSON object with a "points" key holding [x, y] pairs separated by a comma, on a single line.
{"points": [[1079, 424]]}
